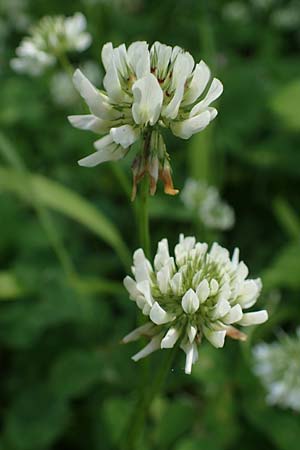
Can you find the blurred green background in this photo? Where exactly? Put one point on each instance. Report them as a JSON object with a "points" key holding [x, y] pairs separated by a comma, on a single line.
{"points": [[67, 233]]}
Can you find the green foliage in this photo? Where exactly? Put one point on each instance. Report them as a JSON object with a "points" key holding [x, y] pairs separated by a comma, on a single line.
{"points": [[67, 234], [286, 104], [10, 288]]}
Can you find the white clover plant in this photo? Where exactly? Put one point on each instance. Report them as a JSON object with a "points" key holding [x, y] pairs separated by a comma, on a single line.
{"points": [[200, 293], [49, 39], [205, 201], [278, 366], [146, 91]]}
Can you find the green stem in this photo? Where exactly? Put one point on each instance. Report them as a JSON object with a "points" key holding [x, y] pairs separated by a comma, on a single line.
{"points": [[65, 64], [143, 213], [151, 389], [143, 217]]}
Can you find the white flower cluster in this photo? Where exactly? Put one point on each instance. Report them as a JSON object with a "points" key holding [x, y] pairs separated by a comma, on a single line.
{"points": [[206, 202], [199, 293], [51, 37], [146, 91], [278, 366]]}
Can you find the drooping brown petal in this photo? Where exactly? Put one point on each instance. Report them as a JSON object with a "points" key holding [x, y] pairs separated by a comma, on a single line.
{"points": [[234, 333], [166, 177]]}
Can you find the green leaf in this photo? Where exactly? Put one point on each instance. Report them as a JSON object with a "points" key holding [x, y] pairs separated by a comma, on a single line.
{"points": [[286, 104], [35, 419], [178, 417], [284, 271], [205, 442], [52, 194], [115, 414], [10, 287], [75, 372], [22, 323], [287, 217], [280, 426]]}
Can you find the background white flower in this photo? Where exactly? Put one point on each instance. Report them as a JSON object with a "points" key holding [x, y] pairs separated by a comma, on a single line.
{"points": [[145, 91], [63, 92], [51, 37], [198, 293], [205, 201], [278, 367]]}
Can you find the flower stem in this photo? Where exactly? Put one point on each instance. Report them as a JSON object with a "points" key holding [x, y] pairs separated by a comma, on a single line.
{"points": [[152, 388], [143, 217], [143, 214], [65, 64]]}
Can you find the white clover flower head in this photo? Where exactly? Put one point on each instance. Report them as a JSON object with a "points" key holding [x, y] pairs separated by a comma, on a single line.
{"points": [[278, 367], [197, 294], [52, 36], [205, 200], [145, 91]]}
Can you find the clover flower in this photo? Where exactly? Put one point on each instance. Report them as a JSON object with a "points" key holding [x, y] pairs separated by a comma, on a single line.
{"points": [[50, 38], [146, 91], [206, 202], [278, 367], [198, 294]]}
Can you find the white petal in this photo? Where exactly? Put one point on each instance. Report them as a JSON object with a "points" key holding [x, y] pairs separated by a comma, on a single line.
{"points": [[101, 156], [186, 128], [130, 285], [170, 111], [164, 275], [163, 278], [249, 292], [216, 338], [170, 338], [203, 291], [200, 78], [182, 69], [162, 254], [106, 152], [159, 316], [120, 60], [96, 101], [224, 293], [148, 98], [138, 332], [107, 54], [213, 113], [235, 256], [191, 352], [242, 271], [214, 286], [254, 318], [214, 92], [125, 135], [190, 302], [112, 85], [220, 310], [139, 58], [141, 265], [176, 283], [153, 345], [160, 58], [90, 122], [83, 41], [234, 315], [191, 332], [145, 289]]}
